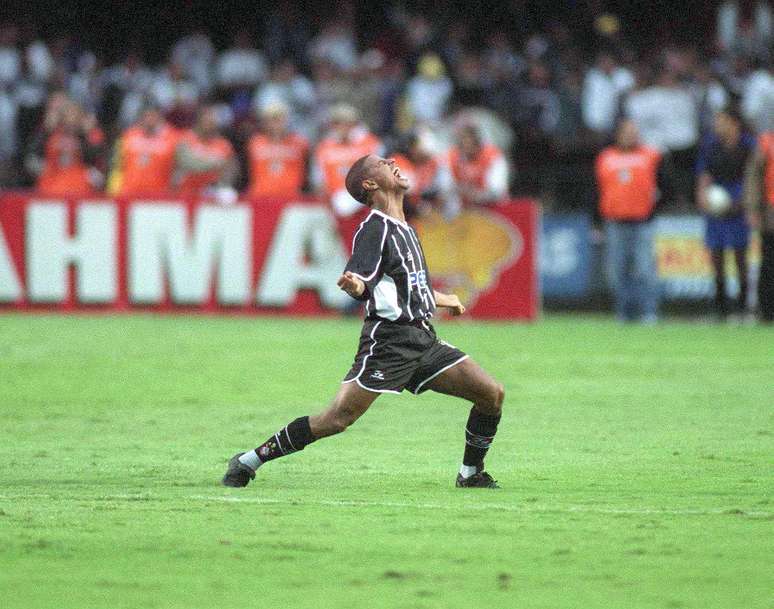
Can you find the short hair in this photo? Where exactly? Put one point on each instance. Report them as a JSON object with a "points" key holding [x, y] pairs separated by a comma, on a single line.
{"points": [[354, 181]]}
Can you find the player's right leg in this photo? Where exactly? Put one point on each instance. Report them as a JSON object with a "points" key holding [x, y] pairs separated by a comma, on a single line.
{"points": [[350, 403]]}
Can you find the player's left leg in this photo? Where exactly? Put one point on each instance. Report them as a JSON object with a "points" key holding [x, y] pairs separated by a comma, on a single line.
{"points": [[469, 381]]}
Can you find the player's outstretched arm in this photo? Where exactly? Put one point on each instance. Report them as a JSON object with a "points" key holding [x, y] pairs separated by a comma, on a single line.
{"points": [[351, 284], [449, 301]]}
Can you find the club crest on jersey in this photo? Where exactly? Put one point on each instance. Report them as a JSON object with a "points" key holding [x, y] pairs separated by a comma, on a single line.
{"points": [[418, 278], [409, 256]]}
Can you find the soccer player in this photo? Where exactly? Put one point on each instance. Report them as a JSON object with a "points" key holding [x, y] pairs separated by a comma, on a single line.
{"points": [[398, 346]]}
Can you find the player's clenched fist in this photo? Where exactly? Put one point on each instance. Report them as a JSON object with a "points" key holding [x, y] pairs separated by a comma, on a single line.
{"points": [[351, 284]]}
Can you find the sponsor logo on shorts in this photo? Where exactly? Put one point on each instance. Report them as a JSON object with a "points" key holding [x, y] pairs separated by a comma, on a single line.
{"points": [[377, 374]]}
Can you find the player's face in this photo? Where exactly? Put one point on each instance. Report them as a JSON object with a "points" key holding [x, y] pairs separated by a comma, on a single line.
{"points": [[387, 175]]}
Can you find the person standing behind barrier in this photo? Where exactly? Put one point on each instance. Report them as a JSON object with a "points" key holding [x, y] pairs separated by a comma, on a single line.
{"points": [[204, 160], [628, 177], [67, 152], [277, 157], [347, 141], [722, 162], [480, 170], [145, 157], [431, 183], [759, 199]]}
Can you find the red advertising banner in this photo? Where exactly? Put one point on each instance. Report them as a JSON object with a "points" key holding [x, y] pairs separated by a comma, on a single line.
{"points": [[269, 256]]}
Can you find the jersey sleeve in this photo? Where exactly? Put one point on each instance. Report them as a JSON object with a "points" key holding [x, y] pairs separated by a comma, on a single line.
{"points": [[367, 253]]}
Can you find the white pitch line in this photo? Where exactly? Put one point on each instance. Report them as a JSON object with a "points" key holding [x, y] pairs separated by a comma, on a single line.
{"points": [[479, 506]]}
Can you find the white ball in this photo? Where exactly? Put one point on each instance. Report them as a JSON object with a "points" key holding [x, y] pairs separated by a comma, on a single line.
{"points": [[718, 200]]}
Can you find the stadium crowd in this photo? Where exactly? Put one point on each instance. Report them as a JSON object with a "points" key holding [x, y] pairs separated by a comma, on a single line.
{"points": [[472, 115]]}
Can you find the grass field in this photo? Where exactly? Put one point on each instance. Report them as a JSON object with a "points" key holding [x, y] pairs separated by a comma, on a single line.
{"points": [[636, 466]]}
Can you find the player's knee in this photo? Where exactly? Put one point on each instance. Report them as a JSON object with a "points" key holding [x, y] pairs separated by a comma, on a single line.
{"points": [[495, 395], [342, 418]]}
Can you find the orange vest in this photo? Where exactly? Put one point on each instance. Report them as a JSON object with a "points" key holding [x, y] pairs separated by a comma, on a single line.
{"points": [[334, 158], [766, 144], [627, 182], [277, 167], [64, 171], [147, 161], [473, 171], [421, 176], [216, 147]]}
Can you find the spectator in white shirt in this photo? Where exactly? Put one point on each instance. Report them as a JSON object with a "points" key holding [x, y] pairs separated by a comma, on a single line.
{"points": [[242, 65], [666, 114], [428, 93], [10, 58], [335, 44], [758, 98], [603, 87], [292, 90], [196, 54]]}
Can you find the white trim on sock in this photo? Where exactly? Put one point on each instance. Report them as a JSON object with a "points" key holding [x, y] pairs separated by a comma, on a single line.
{"points": [[251, 460], [466, 471]]}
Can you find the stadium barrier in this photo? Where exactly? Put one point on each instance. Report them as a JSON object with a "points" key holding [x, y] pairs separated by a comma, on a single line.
{"points": [[268, 256]]}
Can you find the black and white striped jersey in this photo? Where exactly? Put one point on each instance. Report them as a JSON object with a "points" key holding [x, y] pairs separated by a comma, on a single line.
{"points": [[387, 257]]}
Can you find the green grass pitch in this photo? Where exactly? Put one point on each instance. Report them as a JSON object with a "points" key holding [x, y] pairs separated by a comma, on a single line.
{"points": [[636, 466]]}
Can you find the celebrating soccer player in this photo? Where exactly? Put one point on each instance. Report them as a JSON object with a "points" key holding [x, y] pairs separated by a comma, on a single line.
{"points": [[398, 346]]}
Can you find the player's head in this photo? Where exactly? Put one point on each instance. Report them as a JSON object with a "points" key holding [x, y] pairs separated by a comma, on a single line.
{"points": [[626, 134], [371, 174]]}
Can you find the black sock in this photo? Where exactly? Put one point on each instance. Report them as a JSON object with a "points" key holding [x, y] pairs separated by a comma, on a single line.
{"points": [[479, 433], [291, 438]]}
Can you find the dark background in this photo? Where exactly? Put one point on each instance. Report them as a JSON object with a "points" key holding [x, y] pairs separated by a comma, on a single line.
{"points": [[111, 28]]}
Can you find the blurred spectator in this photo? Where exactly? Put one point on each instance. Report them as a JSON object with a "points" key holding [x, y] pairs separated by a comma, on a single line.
{"points": [[195, 54], [665, 114], [277, 157], [603, 87], [242, 65], [346, 142], [480, 170], [127, 85], [10, 58], [628, 178], [429, 91], [760, 206], [722, 161], [758, 98], [710, 96], [431, 183], [667, 117], [293, 90], [335, 44], [745, 27], [204, 158], [66, 155], [174, 93], [144, 158]]}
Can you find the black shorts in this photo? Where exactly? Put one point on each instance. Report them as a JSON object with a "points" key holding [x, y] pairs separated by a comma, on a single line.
{"points": [[393, 357]]}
